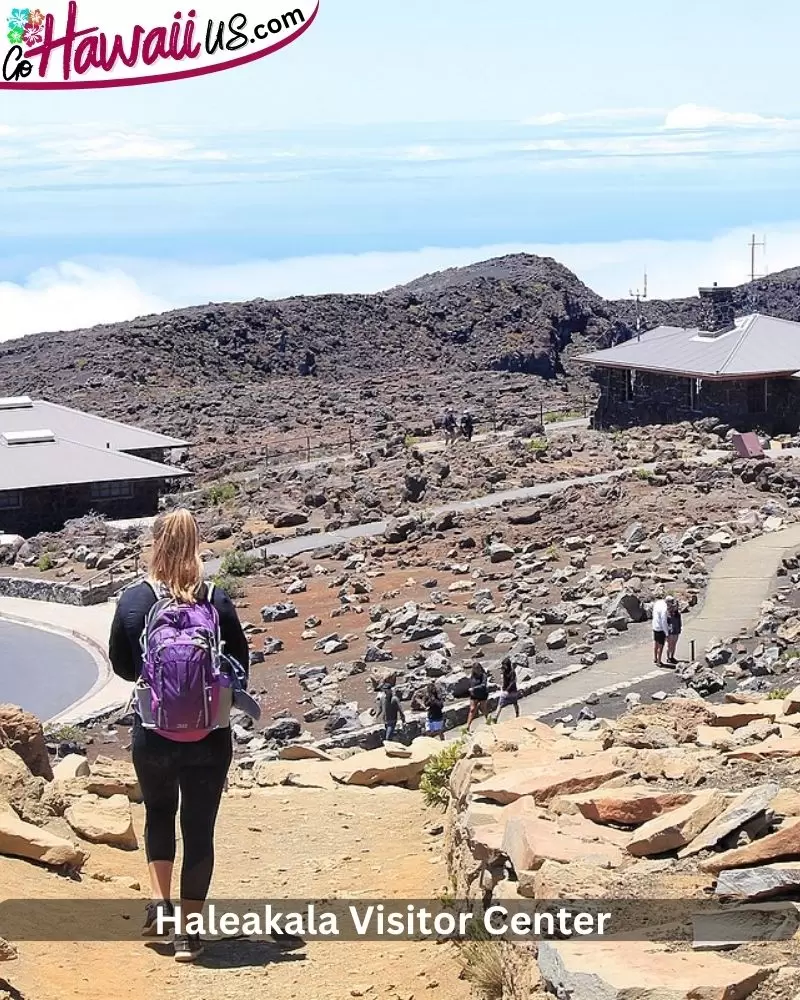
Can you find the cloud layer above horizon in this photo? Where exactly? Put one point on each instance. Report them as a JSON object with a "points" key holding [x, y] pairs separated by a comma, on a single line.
{"points": [[73, 295]]}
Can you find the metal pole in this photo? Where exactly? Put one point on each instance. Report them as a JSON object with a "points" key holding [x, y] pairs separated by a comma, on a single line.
{"points": [[691, 644], [350, 439], [308, 448]]}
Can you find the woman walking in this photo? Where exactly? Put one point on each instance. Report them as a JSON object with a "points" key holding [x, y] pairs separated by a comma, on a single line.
{"points": [[434, 705], [167, 635], [508, 689], [674, 629], [478, 693]]}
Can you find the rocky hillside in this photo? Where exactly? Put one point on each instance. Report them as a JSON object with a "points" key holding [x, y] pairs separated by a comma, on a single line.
{"points": [[256, 361]]}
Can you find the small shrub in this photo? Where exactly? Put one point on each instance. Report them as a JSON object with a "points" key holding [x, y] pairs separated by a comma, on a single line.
{"points": [[538, 445], [221, 493], [65, 734], [551, 552], [644, 474], [410, 440], [237, 563], [45, 562], [778, 694], [481, 960], [558, 415], [436, 776], [232, 585]]}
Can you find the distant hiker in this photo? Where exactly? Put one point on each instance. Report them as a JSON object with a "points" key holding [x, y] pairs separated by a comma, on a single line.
{"points": [[659, 630], [168, 635], [449, 426], [674, 629], [434, 705], [478, 692], [508, 689], [390, 708], [467, 426]]}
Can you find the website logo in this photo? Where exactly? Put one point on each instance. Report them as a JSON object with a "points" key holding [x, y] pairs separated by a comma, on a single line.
{"points": [[92, 43]]}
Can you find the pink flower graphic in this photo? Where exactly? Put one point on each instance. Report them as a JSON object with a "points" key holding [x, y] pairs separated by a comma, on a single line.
{"points": [[33, 35]]}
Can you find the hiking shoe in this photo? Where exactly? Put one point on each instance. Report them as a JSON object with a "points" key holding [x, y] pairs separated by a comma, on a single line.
{"points": [[162, 906], [188, 947]]}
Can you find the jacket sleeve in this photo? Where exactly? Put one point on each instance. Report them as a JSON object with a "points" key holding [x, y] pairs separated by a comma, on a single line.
{"points": [[233, 636], [119, 645]]}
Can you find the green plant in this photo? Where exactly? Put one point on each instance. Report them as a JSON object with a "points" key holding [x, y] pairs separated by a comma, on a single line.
{"points": [[644, 474], [481, 959], [436, 776], [778, 694], [80, 364], [232, 585], [410, 440], [558, 415], [237, 563], [538, 445], [65, 734], [45, 562], [221, 493], [551, 552]]}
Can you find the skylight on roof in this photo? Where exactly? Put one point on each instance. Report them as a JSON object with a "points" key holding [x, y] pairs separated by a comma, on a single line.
{"points": [[15, 402], [28, 437]]}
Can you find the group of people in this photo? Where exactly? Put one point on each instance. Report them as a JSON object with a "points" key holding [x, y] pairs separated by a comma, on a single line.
{"points": [[452, 427], [181, 642], [667, 628]]}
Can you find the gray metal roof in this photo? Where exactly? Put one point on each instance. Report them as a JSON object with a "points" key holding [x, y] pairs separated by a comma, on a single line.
{"points": [[24, 414], [63, 463], [758, 345]]}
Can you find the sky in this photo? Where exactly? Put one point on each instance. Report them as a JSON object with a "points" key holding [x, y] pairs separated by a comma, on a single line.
{"points": [[393, 139]]}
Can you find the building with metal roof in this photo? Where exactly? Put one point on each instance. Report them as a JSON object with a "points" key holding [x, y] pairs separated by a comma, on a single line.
{"points": [[745, 371], [53, 472]]}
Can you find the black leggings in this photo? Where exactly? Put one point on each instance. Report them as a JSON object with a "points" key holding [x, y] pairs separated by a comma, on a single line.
{"points": [[196, 770]]}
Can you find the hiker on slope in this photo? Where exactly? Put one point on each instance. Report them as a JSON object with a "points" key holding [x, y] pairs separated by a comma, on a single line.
{"points": [[168, 635]]}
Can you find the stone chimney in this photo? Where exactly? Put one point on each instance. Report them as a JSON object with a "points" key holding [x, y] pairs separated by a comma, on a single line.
{"points": [[716, 309]]}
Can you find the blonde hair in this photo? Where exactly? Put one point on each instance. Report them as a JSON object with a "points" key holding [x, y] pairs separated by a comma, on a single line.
{"points": [[176, 561]]}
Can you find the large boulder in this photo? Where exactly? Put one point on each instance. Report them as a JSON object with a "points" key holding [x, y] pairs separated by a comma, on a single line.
{"points": [[377, 767], [113, 777], [546, 781], [20, 789], [74, 765], [678, 827], [24, 840], [103, 821], [618, 970], [22, 732]]}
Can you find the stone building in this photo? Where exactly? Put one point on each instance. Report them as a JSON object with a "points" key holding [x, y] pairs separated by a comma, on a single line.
{"points": [[745, 372], [57, 463]]}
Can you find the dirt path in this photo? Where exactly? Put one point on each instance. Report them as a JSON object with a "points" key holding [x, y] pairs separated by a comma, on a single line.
{"points": [[284, 843]]}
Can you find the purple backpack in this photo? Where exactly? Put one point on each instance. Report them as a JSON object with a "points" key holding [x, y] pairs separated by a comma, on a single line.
{"points": [[178, 694]]}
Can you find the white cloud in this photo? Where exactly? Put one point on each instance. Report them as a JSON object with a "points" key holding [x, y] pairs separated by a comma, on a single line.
{"points": [[71, 296], [599, 114], [128, 146], [76, 295], [694, 116]]}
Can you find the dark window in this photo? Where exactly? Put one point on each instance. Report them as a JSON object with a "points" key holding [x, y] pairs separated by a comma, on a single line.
{"points": [[757, 396], [111, 491], [630, 385], [10, 501]]}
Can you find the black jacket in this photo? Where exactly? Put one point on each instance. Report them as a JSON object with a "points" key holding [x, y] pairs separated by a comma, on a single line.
{"points": [[126, 630]]}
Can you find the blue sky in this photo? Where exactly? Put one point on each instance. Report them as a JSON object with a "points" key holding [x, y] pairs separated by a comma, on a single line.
{"points": [[394, 138]]}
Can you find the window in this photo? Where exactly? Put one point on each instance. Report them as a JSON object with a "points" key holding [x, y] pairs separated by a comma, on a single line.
{"points": [[630, 385], [757, 396], [112, 491], [10, 501], [695, 385]]}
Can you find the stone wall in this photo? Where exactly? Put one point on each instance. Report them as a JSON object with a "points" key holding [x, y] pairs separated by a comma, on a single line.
{"points": [[668, 399], [61, 593], [49, 508]]}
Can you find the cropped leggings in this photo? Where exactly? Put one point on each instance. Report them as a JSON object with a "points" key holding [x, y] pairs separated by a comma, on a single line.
{"points": [[196, 772]]}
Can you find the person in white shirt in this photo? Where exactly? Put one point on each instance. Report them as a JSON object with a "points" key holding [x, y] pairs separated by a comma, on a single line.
{"points": [[660, 612]]}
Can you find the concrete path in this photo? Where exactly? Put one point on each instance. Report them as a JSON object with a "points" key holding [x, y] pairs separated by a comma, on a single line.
{"points": [[89, 628], [741, 580], [323, 540]]}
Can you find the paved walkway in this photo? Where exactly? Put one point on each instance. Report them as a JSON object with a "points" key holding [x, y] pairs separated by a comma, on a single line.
{"points": [[741, 580]]}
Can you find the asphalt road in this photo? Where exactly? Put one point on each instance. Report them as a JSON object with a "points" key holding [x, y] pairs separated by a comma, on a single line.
{"points": [[42, 672]]}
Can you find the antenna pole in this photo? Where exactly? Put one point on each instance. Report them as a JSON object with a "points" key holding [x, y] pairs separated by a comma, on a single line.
{"points": [[637, 296], [753, 245]]}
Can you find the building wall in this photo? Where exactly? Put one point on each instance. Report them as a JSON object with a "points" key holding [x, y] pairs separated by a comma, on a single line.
{"points": [[48, 509], [650, 398]]}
